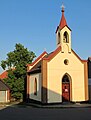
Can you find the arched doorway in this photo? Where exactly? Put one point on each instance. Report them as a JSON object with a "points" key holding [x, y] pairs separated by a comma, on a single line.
{"points": [[65, 89]]}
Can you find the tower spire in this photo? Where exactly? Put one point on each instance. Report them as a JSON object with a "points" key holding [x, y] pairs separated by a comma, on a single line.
{"points": [[63, 22]]}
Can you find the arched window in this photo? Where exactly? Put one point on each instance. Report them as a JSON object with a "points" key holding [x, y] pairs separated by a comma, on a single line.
{"points": [[35, 86], [65, 79], [66, 37], [58, 37]]}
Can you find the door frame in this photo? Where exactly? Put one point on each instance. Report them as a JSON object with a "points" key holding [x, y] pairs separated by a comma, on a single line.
{"points": [[70, 86]]}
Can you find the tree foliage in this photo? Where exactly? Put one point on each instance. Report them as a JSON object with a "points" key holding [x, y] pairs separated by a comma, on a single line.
{"points": [[16, 62]]}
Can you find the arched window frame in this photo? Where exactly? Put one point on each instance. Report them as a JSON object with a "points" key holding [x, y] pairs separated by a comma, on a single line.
{"points": [[35, 86], [66, 37]]}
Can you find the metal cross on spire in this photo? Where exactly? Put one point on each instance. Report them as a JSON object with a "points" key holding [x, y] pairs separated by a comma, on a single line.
{"points": [[62, 7]]}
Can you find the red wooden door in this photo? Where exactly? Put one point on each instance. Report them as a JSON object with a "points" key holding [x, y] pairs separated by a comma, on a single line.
{"points": [[65, 92]]}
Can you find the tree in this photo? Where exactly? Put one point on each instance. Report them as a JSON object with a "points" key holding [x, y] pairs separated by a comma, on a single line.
{"points": [[16, 62]]}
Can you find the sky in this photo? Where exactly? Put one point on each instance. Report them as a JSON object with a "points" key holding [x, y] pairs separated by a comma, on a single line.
{"points": [[33, 24]]}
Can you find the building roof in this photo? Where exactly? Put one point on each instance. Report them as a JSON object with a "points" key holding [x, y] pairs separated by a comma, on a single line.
{"points": [[52, 54], [4, 75], [37, 60], [3, 86], [36, 68]]}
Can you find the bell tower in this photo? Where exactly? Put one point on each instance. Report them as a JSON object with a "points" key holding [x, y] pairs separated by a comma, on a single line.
{"points": [[63, 34]]}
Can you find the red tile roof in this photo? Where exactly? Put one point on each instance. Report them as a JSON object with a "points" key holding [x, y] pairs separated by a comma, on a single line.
{"points": [[4, 75], [38, 59], [78, 56], [53, 54]]}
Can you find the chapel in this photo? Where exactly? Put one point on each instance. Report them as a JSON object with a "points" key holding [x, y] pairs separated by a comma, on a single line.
{"points": [[59, 76]]}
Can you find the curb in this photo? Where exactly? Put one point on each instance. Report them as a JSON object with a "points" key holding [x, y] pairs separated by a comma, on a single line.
{"points": [[34, 105], [60, 106]]}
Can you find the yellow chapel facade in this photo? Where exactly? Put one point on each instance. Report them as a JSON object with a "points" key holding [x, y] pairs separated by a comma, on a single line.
{"points": [[60, 76]]}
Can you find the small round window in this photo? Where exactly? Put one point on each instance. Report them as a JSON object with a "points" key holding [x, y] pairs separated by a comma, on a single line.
{"points": [[66, 62]]}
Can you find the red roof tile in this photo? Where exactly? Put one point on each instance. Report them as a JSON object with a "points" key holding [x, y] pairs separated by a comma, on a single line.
{"points": [[53, 54], [4, 75], [38, 59]]}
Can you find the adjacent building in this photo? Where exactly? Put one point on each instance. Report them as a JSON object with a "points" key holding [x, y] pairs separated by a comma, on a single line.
{"points": [[4, 89], [4, 92], [89, 77]]}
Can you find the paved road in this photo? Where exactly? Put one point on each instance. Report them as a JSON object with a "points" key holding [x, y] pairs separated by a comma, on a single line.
{"points": [[29, 113]]}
